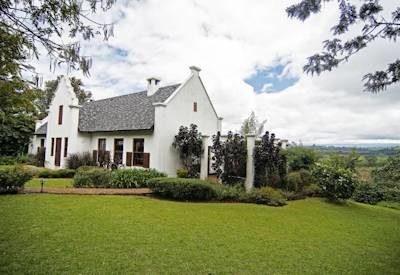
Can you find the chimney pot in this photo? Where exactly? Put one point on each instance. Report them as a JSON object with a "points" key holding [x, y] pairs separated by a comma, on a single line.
{"points": [[195, 70], [153, 83]]}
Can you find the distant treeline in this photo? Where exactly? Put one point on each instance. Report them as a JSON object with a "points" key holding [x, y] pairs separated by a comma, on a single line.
{"points": [[365, 151]]}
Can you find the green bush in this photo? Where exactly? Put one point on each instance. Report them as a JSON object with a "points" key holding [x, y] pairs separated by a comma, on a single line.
{"points": [[367, 193], [13, 160], [13, 178], [133, 178], [299, 157], [183, 189], [265, 195], [335, 182], [389, 173], [58, 173], [74, 161], [229, 193], [94, 177], [391, 194], [182, 173]]}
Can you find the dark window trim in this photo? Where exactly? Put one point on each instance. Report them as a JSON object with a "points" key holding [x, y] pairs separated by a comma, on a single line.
{"points": [[65, 147], [120, 152], [52, 147], [138, 156], [60, 114], [195, 106]]}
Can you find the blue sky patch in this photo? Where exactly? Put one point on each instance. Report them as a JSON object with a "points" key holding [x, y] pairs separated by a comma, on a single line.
{"points": [[271, 79]]}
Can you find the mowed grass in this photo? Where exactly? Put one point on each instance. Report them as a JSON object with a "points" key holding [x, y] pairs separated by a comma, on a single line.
{"points": [[36, 182], [53, 234]]}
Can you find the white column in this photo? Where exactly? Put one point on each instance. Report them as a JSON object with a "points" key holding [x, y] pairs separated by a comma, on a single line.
{"points": [[249, 183], [204, 159]]}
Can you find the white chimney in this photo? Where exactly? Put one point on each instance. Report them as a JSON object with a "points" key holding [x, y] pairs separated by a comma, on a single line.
{"points": [[153, 83], [195, 70]]}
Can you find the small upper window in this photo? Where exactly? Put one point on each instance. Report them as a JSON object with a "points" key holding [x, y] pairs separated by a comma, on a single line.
{"points": [[60, 114], [194, 106]]}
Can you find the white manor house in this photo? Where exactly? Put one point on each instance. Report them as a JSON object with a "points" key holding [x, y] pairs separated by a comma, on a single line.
{"points": [[135, 129]]}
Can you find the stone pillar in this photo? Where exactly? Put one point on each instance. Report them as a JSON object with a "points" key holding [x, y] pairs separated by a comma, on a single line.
{"points": [[204, 159], [249, 183]]}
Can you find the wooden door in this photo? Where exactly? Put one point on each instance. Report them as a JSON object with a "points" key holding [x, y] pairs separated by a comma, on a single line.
{"points": [[57, 158]]}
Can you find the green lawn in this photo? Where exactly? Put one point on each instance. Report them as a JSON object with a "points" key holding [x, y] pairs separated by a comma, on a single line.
{"points": [[35, 182], [41, 233]]}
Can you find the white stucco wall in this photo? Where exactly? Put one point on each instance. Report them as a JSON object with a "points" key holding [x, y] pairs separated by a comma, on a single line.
{"points": [[178, 111]]}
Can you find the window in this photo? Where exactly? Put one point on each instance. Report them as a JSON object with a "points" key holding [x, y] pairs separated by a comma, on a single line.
{"points": [[101, 149], [194, 106], [138, 149], [60, 114], [52, 147], [118, 150], [65, 147]]}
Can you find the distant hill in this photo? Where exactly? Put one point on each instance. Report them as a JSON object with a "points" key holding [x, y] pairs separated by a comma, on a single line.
{"points": [[362, 149]]}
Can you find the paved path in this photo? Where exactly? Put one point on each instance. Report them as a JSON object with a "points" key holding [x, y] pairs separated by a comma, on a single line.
{"points": [[89, 191]]}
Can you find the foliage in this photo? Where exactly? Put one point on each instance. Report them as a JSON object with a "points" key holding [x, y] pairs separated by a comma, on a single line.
{"points": [[264, 195], [39, 158], [188, 143], [95, 177], [11, 160], [58, 173], [133, 178], [76, 160], [182, 189], [374, 25], [300, 157], [13, 178], [229, 158], [269, 162], [389, 173], [367, 193], [47, 95], [44, 24], [297, 180], [251, 125], [229, 193], [348, 161], [182, 173], [50, 182], [335, 182]]}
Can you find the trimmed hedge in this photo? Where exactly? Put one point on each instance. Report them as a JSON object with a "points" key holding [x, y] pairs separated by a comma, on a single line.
{"points": [[266, 195], [133, 178], [183, 189], [59, 173], [87, 176], [13, 178]]}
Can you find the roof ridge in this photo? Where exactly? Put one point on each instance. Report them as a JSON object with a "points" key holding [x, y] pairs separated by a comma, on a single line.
{"points": [[145, 91]]}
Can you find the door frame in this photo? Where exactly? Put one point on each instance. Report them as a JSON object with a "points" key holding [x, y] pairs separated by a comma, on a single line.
{"points": [[57, 155]]}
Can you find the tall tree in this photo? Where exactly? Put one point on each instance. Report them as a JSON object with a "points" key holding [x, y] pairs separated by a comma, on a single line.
{"points": [[374, 26], [48, 23], [252, 125], [47, 94]]}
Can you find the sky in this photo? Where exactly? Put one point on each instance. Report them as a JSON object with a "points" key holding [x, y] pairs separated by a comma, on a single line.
{"points": [[251, 55]]}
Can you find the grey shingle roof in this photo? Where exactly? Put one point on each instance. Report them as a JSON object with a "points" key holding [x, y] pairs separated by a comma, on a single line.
{"points": [[42, 130], [127, 112]]}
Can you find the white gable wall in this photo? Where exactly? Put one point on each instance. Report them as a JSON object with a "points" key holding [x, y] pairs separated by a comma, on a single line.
{"points": [[77, 142], [178, 111]]}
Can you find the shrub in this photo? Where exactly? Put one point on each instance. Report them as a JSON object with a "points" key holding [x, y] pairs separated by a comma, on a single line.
{"points": [[95, 177], [37, 159], [229, 193], [59, 173], [367, 193], [182, 173], [335, 182], [265, 195], [312, 190], [13, 178], [13, 160], [183, 189], [391, 194], [389, 173], [299, 157], [74, 161], [133, 178]]}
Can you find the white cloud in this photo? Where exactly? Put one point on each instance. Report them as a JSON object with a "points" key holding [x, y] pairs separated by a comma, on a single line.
{"points": [[228, 40]]}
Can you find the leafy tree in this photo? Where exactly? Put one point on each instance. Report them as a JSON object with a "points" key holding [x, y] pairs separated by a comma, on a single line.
{"points": [[47, 94], [269, 162], [389, 173], [335, 182], [48, 23], [300, 157], [348, 161], [374, 26], [229, 158], [189, 144], [251, 125]]}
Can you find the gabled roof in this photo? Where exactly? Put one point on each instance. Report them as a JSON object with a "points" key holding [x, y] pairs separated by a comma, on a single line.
{"points": [[42, 130], [122, 113]]}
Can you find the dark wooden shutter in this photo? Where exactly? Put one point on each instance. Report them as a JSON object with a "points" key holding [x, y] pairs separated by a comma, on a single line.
{"points": [[65, 147], [128, 158], [60, 114], [52, 147], [146, 160], [95, 155], [57, 159]]}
